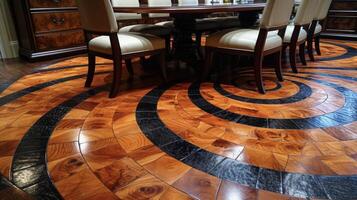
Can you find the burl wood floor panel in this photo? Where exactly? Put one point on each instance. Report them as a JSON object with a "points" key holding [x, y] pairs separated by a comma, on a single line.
{"points": [[184, 139]]}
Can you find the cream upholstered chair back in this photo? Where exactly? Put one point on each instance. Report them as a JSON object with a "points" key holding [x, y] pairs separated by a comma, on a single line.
{"points": [[188, 2], [126, 3], [97, 16], [306, 12], [323, 9], [276, 13], [158, 3]]}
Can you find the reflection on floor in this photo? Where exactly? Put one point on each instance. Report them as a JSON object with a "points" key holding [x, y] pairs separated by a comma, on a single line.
{"points": [[184, 140]]}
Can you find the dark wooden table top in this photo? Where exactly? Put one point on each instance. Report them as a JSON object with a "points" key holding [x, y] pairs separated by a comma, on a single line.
{"points": [[200, 8]]}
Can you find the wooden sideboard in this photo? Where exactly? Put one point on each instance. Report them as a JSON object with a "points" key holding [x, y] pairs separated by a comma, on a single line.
{"points": [[341, 22], [48, 28]]}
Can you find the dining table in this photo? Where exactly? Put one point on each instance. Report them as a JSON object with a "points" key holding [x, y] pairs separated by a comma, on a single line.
{"points": [[184, 18]]}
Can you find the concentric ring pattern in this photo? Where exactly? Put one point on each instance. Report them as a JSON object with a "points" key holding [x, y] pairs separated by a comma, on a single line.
{"points": [[184, 140]]}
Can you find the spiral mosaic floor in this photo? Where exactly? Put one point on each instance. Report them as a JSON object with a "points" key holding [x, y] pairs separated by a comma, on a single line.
{"points": [[184, 140]]}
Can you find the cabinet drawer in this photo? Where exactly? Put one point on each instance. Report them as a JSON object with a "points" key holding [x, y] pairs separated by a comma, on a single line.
{"points": [[58, 40], [52, 3], [56, 21]]}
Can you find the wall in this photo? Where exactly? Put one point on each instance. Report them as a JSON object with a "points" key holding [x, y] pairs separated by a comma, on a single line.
{"points": [[8, 40]]}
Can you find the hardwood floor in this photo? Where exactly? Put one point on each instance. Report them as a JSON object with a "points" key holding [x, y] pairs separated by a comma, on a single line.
{"points": [[184, 139]]}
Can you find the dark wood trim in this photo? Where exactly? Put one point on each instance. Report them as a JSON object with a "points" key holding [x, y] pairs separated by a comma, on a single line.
{"points": [[341, 21], [201, 8], [35, 45]]}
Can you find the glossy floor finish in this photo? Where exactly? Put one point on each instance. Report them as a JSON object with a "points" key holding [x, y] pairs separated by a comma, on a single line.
{"points": [[184, 140]]}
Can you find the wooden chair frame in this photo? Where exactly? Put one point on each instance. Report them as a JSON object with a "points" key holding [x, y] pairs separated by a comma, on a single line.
{"points": [[294, 43], [258, 55], [312, 37], [117, 58], [167, 38]]}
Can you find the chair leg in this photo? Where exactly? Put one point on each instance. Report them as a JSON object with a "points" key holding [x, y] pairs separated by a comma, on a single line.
{"points": [[198, 44], [207, 65], [168, 45], [278, 69], [91, 70], [292, 56], [129, 67], [302, 53], [258, 62], [116, 78], [310, 49], [162, 58], [317, 45]]}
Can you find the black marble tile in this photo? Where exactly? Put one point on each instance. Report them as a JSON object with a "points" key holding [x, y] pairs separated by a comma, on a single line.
{"points": [[350, 52], [203, 160], [282, 124], [237, 172], [146, 107], [303, 186], [303, 123], [233, 117], [205, 105], [270, 180], [59, 68], [179, 149], [304, 92], [74, 102], [340, 187], [146, 115], [25, 160], [150, 99], [48, 121], [161, 136], [43, 190], [31, 145], [253, 121], [30, 176], [147, 125], [341, 118], [59, 111], [351, 112], [11, 97], [4, 183], [39, 132], [322, 121]]}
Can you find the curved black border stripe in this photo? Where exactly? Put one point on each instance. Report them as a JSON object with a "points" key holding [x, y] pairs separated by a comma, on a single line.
{"points": [[64, 67], [277, 87], [13, 96], [299, 185], [345, 115], [29, 167], [304, 92], [351, 52], [331, 68]]}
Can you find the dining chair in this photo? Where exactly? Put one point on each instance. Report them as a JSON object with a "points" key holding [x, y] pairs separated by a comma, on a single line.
{"points": [[154, 29], [98, 19], [254, 42], [296, 32], [316, 28], [126, 16]]}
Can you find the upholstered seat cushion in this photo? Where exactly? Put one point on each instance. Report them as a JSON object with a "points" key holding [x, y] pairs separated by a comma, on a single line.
{"points": [[289, 32], [242, 39], [129, 43], [318, 28], [169, 24], [152, 29]]}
